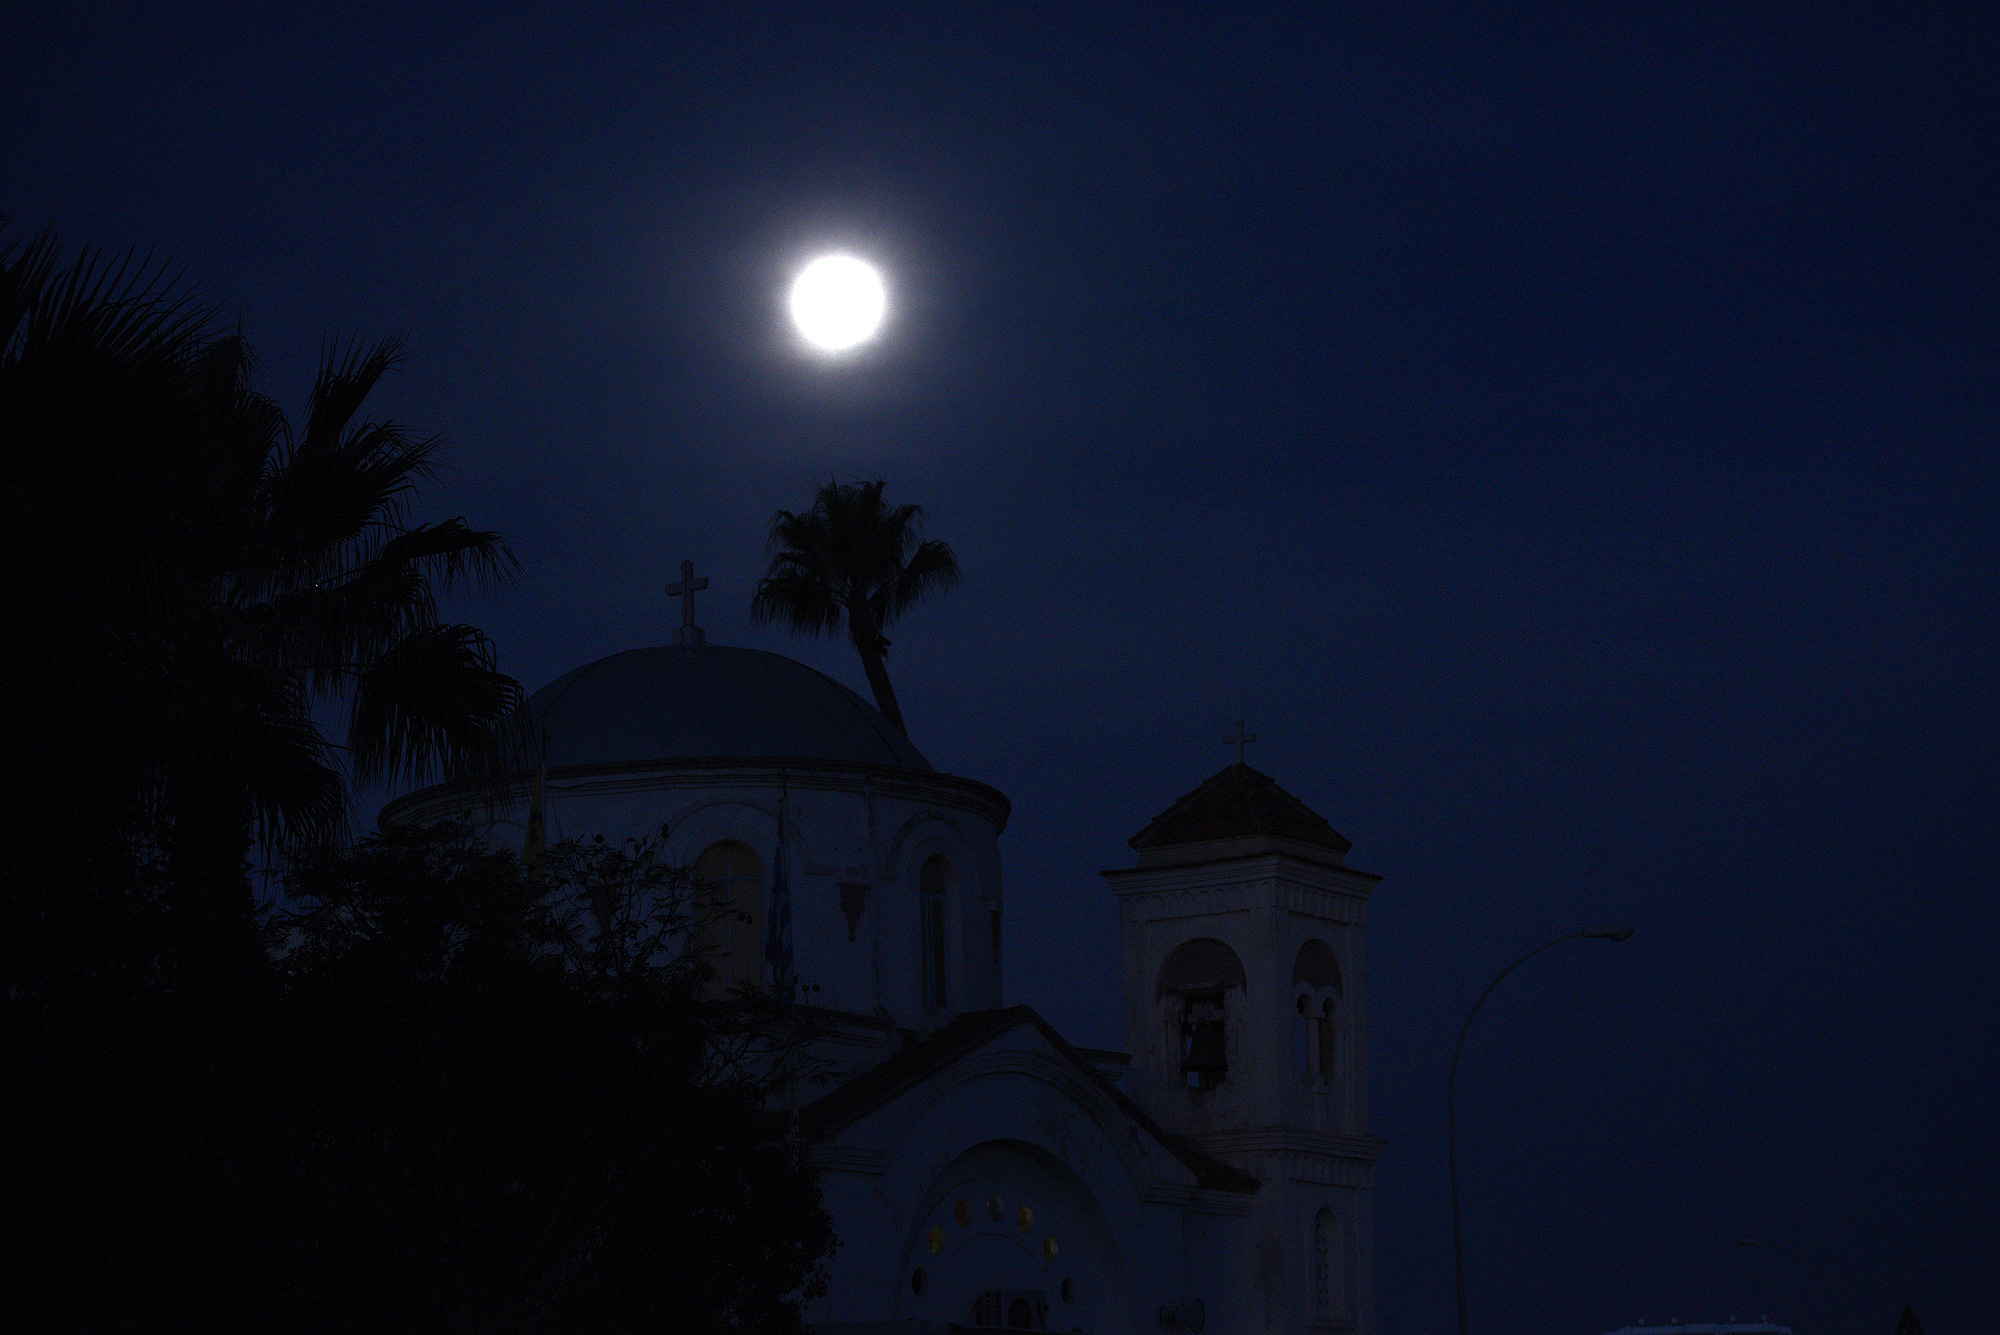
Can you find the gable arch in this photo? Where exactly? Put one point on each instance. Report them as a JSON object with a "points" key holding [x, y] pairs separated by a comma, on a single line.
{"points": [[1200, 965], [928, 832], [975, 1250], [1316, 967], [978, 1098], [693, 827]]}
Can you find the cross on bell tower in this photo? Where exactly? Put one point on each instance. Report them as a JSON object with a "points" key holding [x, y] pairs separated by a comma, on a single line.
{"points": [[1240, 740], [689, 633]]}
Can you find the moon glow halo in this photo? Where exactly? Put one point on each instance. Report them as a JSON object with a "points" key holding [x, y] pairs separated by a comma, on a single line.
{"points": [[838, 301]]}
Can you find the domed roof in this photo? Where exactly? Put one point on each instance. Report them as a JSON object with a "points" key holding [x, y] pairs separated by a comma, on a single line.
{"points": [[684, 702]]}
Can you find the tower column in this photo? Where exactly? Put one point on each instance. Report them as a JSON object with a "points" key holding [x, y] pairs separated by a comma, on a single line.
{"points": [[1246, 1021]]}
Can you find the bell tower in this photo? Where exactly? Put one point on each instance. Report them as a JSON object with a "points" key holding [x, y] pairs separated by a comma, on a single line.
{"points": [[1245, 1017]]}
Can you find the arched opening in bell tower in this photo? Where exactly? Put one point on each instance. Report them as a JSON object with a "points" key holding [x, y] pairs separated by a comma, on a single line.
{"points": [[1198, 976]]}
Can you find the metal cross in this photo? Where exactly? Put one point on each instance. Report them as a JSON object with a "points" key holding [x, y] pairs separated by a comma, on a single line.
{"points": [[689, 633], [1240, 740]]}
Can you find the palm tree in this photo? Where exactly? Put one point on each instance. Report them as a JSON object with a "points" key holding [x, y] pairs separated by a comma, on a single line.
{"points": [[204, 584], [850, 555]]}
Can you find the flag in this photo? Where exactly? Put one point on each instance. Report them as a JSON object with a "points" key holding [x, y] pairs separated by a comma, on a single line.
{"points": [[778, 928]]}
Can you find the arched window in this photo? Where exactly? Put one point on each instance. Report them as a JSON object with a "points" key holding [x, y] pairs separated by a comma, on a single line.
{"points": [[933, 888], [1200, 965], [1327, 1031], [1199, 975], [1316, 981], [729, 881], [1328, 1301], [1316, 967], [1302, 1032]]}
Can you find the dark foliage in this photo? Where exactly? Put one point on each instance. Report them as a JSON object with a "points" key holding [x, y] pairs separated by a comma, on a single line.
{"points": [[447, 1096], [466, 1101], [200, 581]]}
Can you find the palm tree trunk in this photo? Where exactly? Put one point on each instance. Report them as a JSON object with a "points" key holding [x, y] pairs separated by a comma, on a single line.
{"points": [[868, 643]]}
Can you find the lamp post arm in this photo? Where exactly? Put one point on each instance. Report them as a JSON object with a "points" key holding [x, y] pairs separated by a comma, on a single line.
{"points": [[1451, 1114]]}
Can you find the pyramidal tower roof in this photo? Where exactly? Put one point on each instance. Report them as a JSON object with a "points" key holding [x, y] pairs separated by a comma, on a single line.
{"points": [[1237, 812]]}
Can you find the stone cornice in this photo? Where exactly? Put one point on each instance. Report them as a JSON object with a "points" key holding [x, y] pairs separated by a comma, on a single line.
{"points": [[847, 1159], [1270, 1139], [1156, 903], [1206, 851], [441, 801], [1270, 866], [1297, 1155], [1205, 1201]]}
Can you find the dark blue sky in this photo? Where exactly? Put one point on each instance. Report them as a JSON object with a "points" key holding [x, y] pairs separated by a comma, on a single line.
{"points": [[1568, 441]]}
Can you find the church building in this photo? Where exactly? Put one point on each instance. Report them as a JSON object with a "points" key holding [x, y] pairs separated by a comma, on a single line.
{"points": [[981, 1171]]}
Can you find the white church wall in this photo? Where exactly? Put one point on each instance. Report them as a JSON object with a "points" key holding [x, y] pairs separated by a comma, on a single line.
{"points": [[1153, 1023], [1303, 1137], [1020, 1122], [851, 835], [972, 974]]}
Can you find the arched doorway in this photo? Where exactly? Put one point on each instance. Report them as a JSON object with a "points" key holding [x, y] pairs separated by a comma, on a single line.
{"points": [[1012, 1239]]}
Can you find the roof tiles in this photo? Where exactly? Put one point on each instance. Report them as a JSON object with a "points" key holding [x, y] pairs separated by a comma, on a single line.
{"points": [[1236, 802]]}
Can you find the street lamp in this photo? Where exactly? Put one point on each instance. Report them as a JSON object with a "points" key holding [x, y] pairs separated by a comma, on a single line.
{"points": [[1610, 931]]}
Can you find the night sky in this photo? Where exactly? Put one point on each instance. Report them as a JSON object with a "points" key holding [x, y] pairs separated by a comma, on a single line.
{"points": [[1568, 443]]}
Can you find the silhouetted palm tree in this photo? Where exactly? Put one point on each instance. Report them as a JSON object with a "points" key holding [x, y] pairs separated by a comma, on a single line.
{"points": [[204, 583], [850, 555]]}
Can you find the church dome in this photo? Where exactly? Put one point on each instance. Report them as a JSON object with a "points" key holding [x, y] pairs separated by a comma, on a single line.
{"points": [[686, 702]]}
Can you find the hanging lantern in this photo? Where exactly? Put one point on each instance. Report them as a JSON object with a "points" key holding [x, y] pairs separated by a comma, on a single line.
{"points": [[937, 1241], [962, 1213], [1024, 1218], [1049, 1250]]}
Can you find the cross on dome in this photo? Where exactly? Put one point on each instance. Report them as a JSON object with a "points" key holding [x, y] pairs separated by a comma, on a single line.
{"points": [[1240, 740], [689, 633]]}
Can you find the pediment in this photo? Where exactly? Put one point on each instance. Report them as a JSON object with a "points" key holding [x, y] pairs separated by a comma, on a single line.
{"points": [[1014, 1039]]}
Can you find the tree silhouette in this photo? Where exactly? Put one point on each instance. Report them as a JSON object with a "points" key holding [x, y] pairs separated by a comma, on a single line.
{"points": [[1909, 1325], [852, 556], [470, 1101], [204, 583], [517, 1108]]}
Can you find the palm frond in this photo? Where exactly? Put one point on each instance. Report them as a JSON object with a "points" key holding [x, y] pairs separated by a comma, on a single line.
{"points": [[931, 568], [330, 510], [211, 572], [249, 725], [346, 378], [338, 624], [454, 554], [432, 705], [849, 557], [799, 597], [26, 269]]}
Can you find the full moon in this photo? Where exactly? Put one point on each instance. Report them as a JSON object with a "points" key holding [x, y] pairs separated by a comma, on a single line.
{"points": [[837, 301]]}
